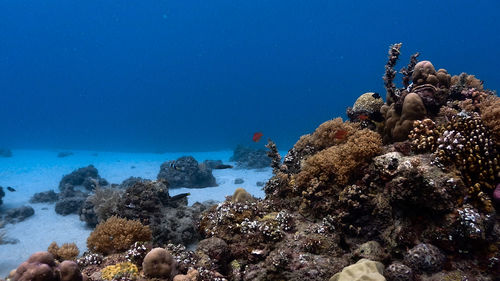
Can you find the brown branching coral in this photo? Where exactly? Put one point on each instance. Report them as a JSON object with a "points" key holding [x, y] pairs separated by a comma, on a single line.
{"points": [[274, 155], [390, 73], [490, 114], [335, 165], [117, 234], [331, 132], [408, 70], [106, 201], [68, 251]]}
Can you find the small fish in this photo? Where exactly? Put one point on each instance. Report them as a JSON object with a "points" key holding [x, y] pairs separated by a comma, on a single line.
{"points": [[11, 189], [340, 134], [172, 165], [257, 136], [363, 117], [376, 96]]}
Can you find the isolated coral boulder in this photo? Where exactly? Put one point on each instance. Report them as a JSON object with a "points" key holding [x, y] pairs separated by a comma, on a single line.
{"points": [[425, 258], [159, 263], [186, 172]]}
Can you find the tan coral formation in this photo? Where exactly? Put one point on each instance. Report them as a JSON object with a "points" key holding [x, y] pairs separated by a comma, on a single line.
{"points": [[117, 234]]}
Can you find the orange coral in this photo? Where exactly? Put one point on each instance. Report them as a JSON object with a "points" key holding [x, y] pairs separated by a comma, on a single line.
{"points": [[335, 165], [327, 134], [117, 234]]}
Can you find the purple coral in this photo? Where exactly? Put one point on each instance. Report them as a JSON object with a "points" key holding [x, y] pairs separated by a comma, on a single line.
{"points": [[496, 194]]}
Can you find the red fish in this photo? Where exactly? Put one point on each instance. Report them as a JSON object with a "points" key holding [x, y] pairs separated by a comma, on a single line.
{"points": [[340, 134], [363, 117], [257, 136]]}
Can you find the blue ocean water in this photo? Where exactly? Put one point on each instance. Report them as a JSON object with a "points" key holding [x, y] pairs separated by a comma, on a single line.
{"points": [[205, 75]]}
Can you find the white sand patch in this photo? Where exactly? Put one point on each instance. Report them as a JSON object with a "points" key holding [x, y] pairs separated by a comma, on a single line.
{"points": [[32, 171]]}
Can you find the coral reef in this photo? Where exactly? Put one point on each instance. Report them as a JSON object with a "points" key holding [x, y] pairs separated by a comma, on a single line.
{"points": [[250, 158], [186, 172], [417, 192], [116, 235]]}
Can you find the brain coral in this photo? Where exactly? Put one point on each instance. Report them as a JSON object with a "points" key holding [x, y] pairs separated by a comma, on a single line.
{"points": [[117, 234]]}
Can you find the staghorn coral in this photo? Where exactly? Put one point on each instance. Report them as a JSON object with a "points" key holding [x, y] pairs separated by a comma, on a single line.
{"points": [[408, 70], [117, 234], [67, 251], [390, 73]]}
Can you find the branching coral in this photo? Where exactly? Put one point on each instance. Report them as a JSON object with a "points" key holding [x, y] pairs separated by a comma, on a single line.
{"points": [[105, 201], [424, 135], [68, 251], [329, 133], [490, 114], [390, 73], [335, 165], [117, 234]]}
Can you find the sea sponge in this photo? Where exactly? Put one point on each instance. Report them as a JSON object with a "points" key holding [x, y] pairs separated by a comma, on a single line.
{"points": [[159, 263], [363, 270], [68, 251], [116, 235]]}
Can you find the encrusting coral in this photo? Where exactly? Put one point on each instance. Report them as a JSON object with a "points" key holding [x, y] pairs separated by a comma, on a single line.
{"points": [[116, 235]]}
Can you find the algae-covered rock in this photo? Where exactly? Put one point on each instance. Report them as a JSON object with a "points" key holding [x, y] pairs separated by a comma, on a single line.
{"points": [[363, 270]]}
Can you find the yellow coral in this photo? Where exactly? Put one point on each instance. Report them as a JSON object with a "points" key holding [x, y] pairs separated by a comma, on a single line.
{"points": [[117, 234], [122, 269]]}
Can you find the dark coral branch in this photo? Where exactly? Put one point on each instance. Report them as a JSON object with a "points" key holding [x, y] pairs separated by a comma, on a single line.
{"points": [[390, 73], [274, 155], [408, 70]]}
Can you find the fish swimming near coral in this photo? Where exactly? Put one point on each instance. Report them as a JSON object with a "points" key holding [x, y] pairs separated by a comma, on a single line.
{"points": [[11, 189], [340, 134], [257, 136], [363, 117]]}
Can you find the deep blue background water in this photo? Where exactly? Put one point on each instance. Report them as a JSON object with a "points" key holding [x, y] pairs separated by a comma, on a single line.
{"points": [[205, 75]]}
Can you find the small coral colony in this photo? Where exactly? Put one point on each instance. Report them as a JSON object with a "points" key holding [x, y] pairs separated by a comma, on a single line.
{"points": [[407, 189]]}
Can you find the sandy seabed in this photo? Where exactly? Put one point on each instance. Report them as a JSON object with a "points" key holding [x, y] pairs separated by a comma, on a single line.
{"points": [[32, 171]]}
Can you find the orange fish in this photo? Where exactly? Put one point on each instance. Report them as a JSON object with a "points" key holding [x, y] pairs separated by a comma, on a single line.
{"points": [[363, 117], [257, 136], [340, 134]]}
